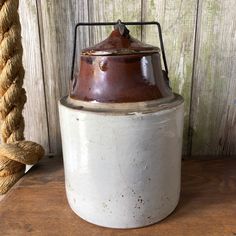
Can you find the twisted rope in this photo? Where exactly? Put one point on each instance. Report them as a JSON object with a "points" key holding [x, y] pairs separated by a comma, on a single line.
{"points": [[14, 152]]}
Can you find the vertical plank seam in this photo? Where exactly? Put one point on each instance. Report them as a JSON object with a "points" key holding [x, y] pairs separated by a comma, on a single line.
{"points": [[142, 17], [89, 20], [88, 12], [195, 57], [43, 73]]}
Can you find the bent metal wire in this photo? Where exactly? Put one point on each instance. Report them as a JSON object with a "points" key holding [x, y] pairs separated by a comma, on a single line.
{"points": [[81, 24]]}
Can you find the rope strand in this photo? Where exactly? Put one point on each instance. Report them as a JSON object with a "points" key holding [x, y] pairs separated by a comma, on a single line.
{"points": [[15, 153]]}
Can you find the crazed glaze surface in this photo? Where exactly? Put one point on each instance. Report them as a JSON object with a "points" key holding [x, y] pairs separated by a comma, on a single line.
{"points": [[122, 170]]}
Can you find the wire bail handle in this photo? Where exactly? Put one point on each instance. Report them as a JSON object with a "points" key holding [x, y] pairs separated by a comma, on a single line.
{"points": [[115, 24]]}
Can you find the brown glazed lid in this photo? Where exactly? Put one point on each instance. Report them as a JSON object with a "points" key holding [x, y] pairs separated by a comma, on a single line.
{"points": [[119, 42], [120, 69]]}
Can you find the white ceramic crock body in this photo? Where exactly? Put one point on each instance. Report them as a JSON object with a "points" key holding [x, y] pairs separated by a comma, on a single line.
{"points": [[122, 170]]}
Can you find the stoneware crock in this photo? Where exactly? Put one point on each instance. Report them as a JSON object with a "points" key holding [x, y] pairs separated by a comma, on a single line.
{"points": [[121, 129]]}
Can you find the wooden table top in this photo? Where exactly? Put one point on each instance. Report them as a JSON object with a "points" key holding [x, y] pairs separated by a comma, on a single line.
{"points": [[37, 204]]}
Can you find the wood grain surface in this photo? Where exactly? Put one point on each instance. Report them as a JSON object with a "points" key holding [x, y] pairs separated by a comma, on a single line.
{"points": [[199, 38], [56, 20], [37, 204], [104, 11], [36, 126], [213, 113]]}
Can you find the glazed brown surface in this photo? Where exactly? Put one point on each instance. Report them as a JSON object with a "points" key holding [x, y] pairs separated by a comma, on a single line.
{"points": [[113, 79], [119, 69], [117, 43]]}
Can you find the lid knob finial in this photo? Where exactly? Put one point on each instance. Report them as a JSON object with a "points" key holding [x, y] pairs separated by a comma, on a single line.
{"points": [[122, 28]]}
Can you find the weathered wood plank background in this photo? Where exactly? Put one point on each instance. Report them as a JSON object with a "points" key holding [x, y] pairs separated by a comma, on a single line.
{"points": [[200, 40]]}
